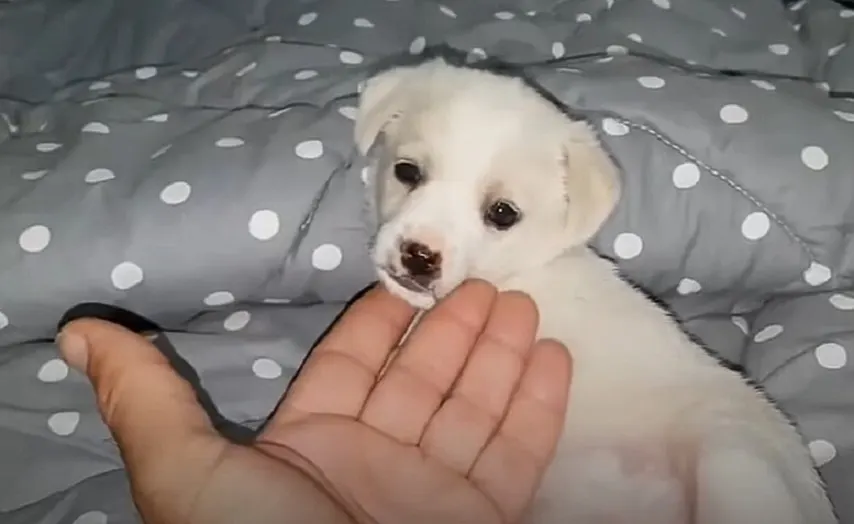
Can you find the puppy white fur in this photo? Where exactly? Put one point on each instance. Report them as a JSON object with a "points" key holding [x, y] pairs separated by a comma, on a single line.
{"points": [[488, 179]]}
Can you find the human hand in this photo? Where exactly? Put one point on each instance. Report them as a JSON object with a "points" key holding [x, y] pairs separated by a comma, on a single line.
{"points": [[460, 427]]}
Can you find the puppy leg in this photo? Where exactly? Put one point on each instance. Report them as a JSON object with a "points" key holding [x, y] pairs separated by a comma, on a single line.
{"points": [[737, 485], [629, 484]]}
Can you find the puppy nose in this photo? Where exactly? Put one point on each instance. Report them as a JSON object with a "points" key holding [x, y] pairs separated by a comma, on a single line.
{"points": [[420, 261]]}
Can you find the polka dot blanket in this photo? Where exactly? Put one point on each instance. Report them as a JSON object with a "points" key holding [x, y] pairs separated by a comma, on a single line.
{"points": [[193, 162]]}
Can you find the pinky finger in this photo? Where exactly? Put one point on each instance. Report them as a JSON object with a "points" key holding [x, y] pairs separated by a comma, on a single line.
{"points": [[511, 466]]}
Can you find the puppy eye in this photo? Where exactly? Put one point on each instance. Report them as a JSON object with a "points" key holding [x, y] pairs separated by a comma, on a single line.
{"points": [[408, 174], [502, 215]]}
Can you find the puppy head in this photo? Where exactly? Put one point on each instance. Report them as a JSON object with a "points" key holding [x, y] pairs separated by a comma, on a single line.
{"points": [[475, 175]]}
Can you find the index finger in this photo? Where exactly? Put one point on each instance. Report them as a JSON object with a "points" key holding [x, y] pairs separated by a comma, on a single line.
{"points": [[341, 371]]}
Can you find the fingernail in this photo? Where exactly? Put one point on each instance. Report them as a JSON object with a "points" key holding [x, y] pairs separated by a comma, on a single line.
{"points": [[74, 349], [150, 336]]}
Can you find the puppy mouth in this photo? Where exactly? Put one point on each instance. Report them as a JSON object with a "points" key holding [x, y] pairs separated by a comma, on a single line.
{"points": [[406, 282]]}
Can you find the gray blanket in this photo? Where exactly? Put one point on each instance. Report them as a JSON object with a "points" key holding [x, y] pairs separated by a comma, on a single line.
{"points": [[192, 161]]}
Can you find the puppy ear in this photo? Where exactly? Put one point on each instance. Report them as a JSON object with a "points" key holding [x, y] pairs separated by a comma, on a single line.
{"points": [[592, 183], [381, 101]]}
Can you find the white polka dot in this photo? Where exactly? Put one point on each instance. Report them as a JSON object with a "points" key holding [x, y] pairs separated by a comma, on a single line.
{"points": [[686, 175], [91, 517], [266, 368], [817, 274], [326, 257], [558, 49], [475, 55], [189, 74], [779, 49], [162, 151], [348, 112], [763, 84], [53, 370], [733, 114], [219, 298], [628, 245], [664, 4], [616, 50], [447, 11], [843, 302], [63, 423], [230, 141], [159, 118], [831, 355], [583, 17], [635, 37], [821, 452], [277, 301], [364, 23], [273, 38], [768, 332], [719, 32], [279, 112], [651, 82], [833, 51], [264, 224], [144, 73], [34, 175], [614, 128], [350, 57], [126, 275], [34, 239], [96, 127], [848, 117], [175, 193], [237, 321], [504, 15], [309, 149], [755, 226], [307, 18], [740, 323], [416, 47], [814, 158], [305, 74], [738, 12], [245, 70], [4, 321], [366, 175], [688, 286], [99, 85], [47, 147], [99, 175], [847, 13]]}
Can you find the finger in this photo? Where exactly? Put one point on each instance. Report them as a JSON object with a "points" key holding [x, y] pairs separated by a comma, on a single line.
{"points": [[461, 428], [511, 467], [150, 410], [342, 369], [426, 367]]}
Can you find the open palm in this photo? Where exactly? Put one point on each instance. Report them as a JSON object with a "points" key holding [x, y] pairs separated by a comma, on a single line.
{"points": [[459, 427]]}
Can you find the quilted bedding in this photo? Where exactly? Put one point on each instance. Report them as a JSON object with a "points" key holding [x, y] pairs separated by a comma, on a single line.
{"points": [[192, 161]]}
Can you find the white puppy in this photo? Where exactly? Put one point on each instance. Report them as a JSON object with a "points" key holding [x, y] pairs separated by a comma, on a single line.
{"points": [[477, 175]]}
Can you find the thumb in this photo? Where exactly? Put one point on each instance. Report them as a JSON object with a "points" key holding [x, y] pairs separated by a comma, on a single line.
{"points": [[150, 410]]}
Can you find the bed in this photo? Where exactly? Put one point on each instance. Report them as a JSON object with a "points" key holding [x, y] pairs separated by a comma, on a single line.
{"points": [[192, 161]]}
